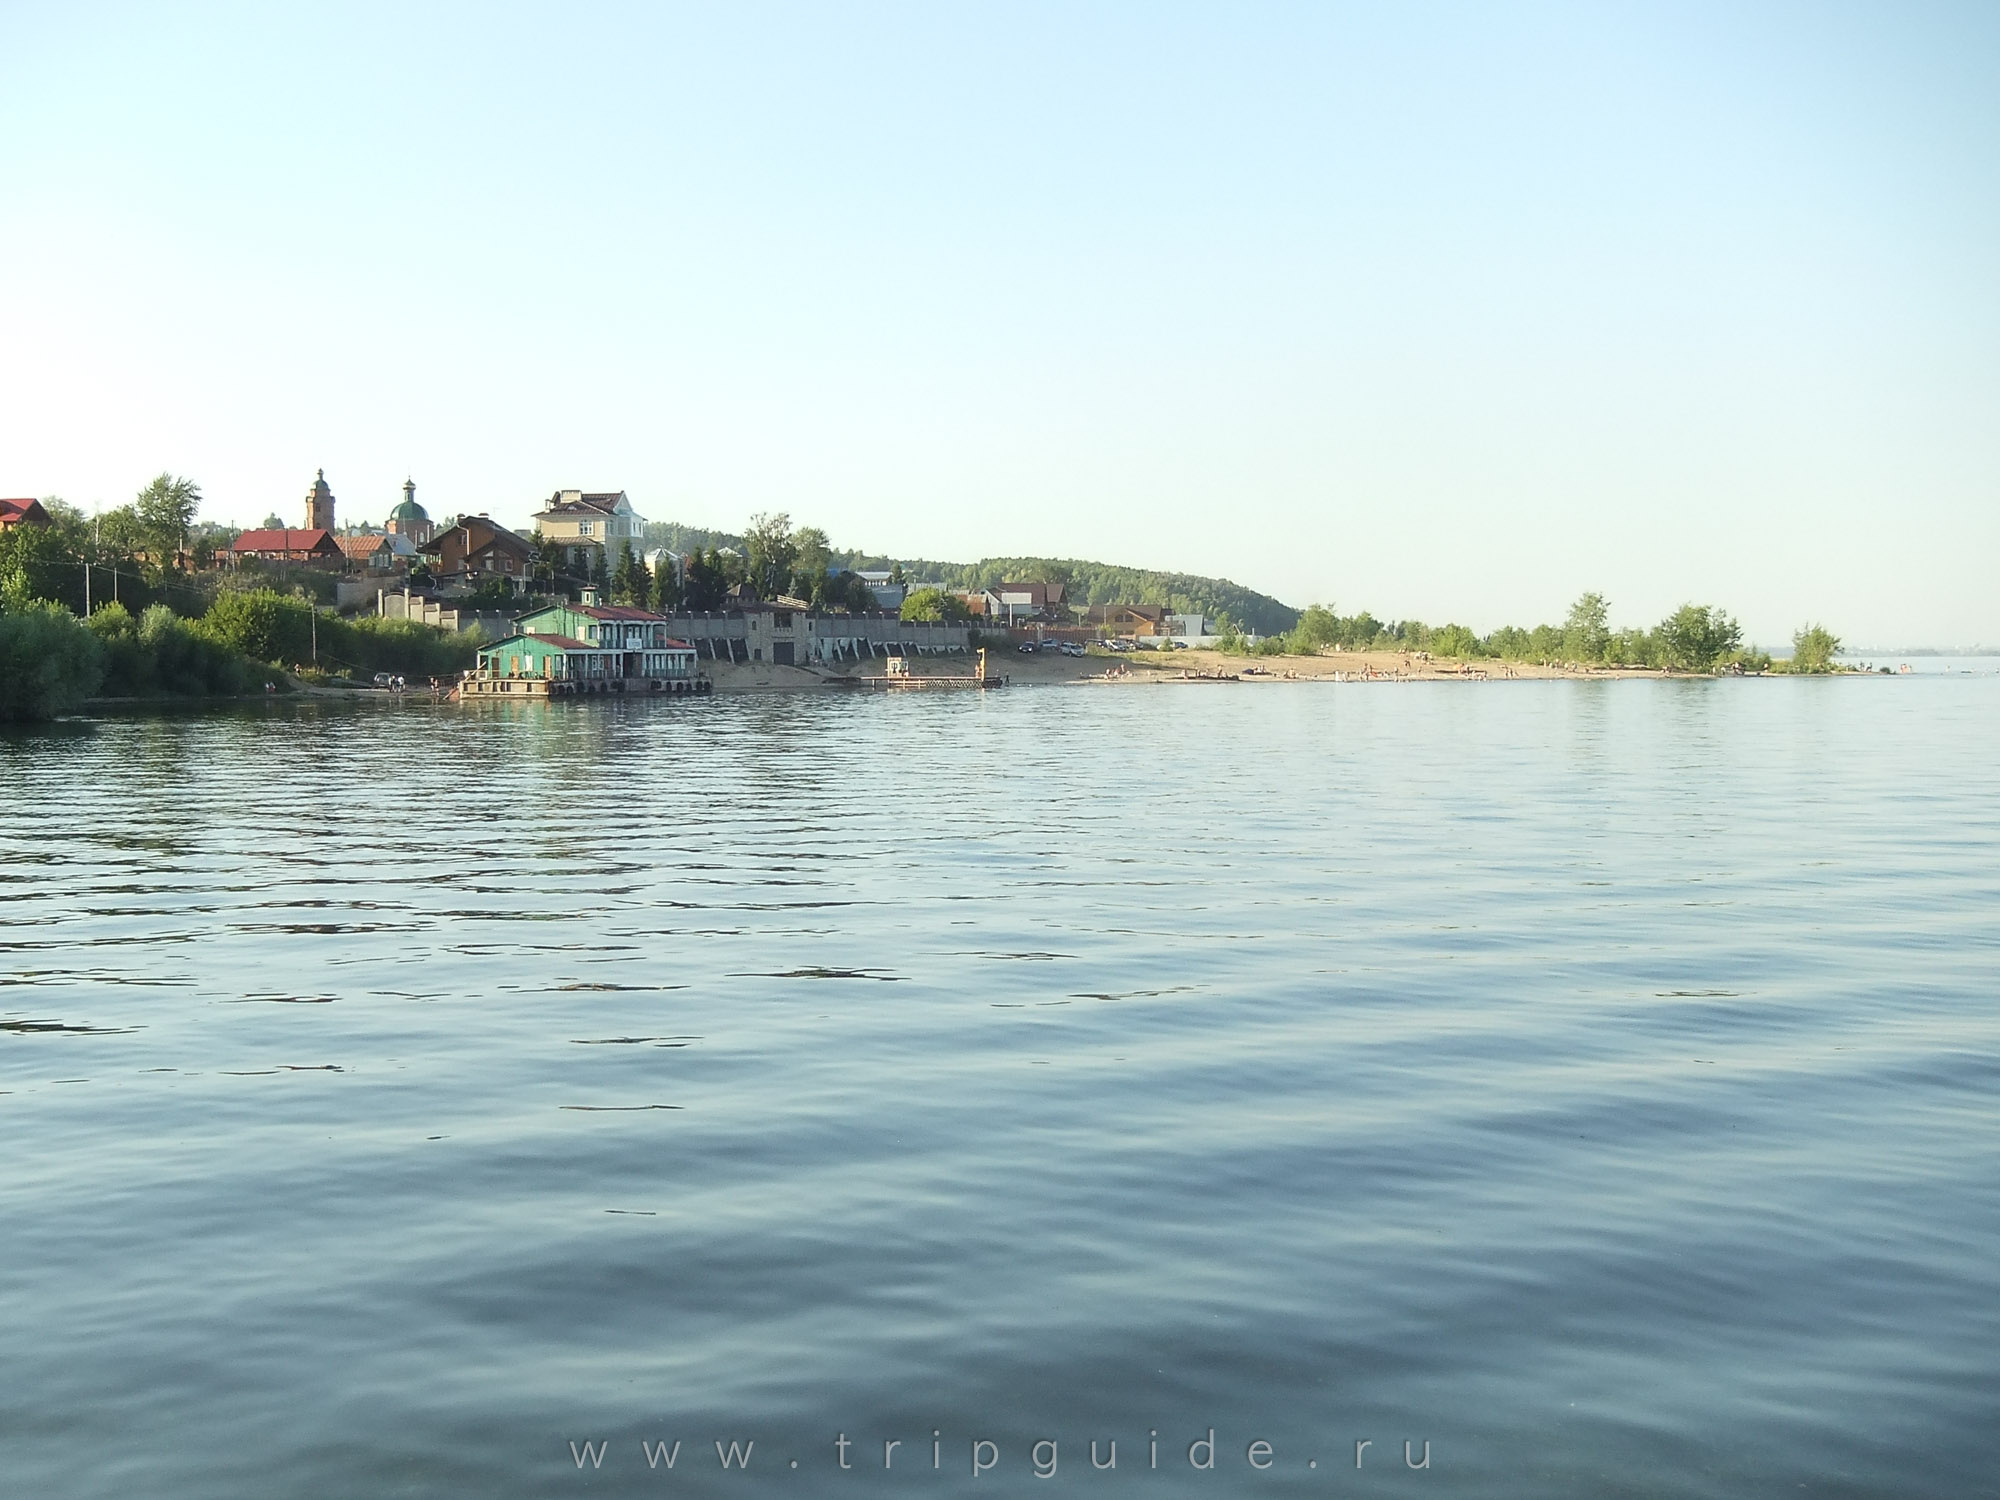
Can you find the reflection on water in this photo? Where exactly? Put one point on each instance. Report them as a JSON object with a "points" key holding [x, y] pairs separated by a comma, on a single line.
{"points": [[1594, 1081]]}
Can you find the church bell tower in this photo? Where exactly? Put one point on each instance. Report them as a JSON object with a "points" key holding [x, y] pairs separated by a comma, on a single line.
{"points": [[319, 505]]}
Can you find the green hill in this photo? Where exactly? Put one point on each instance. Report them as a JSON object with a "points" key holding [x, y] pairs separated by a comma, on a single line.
{"points": [[1109, 583], [1087, 582]]}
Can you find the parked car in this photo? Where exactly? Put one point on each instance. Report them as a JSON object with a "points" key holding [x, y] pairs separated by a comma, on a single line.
{"points": [[385, 679], [1026, 648], [1072, 648]]}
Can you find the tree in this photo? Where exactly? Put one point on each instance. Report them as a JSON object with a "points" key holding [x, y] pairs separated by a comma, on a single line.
{"points": [[705, 585], [1630, 647], [1453, 640], [935, 604], [549, 559], [773, 553], [1318, 628], [165, 513], [34, 564], [1696, 638], [631, 582], [262, 624], [70, 524], [667, 585], [209, 540], [812, 561], [1587, 632], [119, 532], [1813, 649]]}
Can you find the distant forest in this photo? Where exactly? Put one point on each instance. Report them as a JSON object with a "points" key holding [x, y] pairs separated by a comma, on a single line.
{"points": [[1223, 602]]}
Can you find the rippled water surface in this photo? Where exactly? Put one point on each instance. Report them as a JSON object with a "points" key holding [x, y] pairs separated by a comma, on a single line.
{"points": [[1594, 1081]]}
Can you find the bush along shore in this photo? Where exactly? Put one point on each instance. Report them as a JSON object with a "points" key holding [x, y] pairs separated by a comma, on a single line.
{"points": [[1696, 638], [53, 663]]}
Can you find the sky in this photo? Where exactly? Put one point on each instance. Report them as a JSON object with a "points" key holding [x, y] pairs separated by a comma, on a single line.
{"points": [[1445, 311]]}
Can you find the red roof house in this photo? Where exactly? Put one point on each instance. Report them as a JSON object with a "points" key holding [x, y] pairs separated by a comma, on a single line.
{"points": [[27, 512], [318, 545]]}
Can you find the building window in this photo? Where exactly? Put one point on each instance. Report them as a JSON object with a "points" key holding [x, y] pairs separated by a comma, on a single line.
{"points": [[583, 528]]}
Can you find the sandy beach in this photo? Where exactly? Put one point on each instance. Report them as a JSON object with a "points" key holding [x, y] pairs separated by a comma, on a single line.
{"points": [[1158, 667]]}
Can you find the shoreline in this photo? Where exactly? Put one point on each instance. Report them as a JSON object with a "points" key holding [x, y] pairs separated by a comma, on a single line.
{"points": [[1108, 669], [1205, 666]]}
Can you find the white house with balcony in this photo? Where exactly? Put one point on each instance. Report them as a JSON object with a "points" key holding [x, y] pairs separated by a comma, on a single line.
{"points": [[576, 519]]}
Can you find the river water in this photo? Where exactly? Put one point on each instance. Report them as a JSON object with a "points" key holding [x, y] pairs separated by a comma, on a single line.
{"points": [[1593, 1081]]}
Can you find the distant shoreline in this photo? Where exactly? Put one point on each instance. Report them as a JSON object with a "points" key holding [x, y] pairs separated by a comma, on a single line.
{"points": [[1043, 668], [1121, 668]]}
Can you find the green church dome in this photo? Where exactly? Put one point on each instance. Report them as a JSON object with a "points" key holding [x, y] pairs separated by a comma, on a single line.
{"points": [[409, 510]]}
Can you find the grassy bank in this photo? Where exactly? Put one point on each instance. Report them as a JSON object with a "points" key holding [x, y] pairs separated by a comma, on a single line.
{"points": [[51, 662]]}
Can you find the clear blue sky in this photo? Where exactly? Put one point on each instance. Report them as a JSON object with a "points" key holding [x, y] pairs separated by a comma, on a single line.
{"points": [[1448, 311]]}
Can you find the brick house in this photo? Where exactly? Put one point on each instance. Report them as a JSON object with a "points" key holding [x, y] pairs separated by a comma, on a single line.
{"points": [[477, 550]]}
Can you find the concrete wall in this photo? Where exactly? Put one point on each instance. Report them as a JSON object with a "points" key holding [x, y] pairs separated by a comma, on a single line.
{"points": [[815, 639], [716, 636], [403, 605], [843, 638], [356, 590]]}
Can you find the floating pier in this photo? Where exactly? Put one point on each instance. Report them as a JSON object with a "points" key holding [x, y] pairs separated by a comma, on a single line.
{"points": [[897, 676]]}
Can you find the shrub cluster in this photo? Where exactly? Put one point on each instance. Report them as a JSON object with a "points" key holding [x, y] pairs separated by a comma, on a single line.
{"points": [[271, 627], [1694, 638], [161, 653], [50, 661]]}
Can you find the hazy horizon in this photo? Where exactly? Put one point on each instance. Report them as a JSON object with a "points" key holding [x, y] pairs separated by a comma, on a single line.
{"points": [[1447, 314]]}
